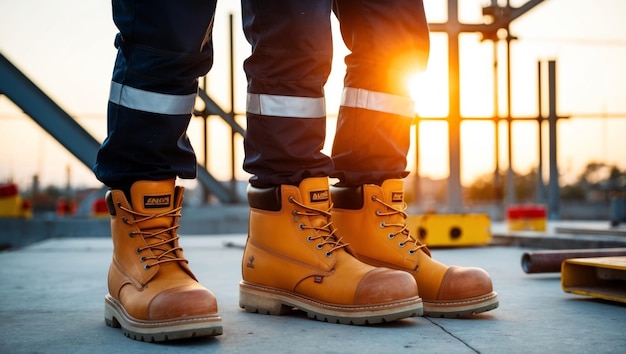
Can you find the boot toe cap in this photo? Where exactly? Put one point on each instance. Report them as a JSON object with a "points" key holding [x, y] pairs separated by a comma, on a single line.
{"points": [[465, 283], [182, 302], [383, 285]]}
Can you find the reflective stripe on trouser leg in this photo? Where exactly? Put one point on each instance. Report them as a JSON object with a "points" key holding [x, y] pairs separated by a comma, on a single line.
{"points": [[372, 137], [286, 106], [152, 102], [378, 101]]}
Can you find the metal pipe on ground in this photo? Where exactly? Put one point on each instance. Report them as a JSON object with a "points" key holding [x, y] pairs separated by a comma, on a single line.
{"points": [[550, 261]]}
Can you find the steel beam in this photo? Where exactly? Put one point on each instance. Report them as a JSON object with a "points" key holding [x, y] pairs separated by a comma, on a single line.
{"points": [[503, 16], [553, 182], [45, 112], [62, 127]]}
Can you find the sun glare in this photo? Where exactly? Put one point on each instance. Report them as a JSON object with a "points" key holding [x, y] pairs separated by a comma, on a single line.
{"points": [[429, 89]]}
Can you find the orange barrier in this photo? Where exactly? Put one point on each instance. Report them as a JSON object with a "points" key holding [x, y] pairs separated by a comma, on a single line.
{"points": [[99, 208], [526, 217], [11, 203], [66, 207]]}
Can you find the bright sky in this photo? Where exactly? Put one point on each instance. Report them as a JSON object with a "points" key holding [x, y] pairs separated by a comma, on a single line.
{"points": [[66, 47]]}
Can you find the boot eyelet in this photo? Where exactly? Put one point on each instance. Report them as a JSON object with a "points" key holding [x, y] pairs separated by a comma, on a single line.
{"points": [[374, 198], [412, 251], [125, 219], [319, 246], [391, 236], [382, 225], [291, 199], [142, 259], [138, 250], [146, 267], [294, 212], [378, 212], [402, 244], [309, 239], [328, 254], [131, 234], [300, 227]]}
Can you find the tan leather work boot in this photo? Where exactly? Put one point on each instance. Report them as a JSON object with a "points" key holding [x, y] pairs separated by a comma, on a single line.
{"points": [[294, 260], [372, 219], [153, 295]]}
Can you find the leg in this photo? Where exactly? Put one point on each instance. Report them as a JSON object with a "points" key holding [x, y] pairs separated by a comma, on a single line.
{"points": [[389, 40], [292, 257], [152, 95], [153, 89], [289, 65]]}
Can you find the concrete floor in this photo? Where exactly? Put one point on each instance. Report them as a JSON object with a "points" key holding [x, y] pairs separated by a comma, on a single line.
{"points": [[52, 294]]}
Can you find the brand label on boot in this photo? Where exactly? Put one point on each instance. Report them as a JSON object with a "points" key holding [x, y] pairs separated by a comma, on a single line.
{"points": [[156, 201], [318, 196], [397, 197], [250, 263]]}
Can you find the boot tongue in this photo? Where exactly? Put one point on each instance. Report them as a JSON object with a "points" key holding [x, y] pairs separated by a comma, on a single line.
{"points": [[153, 197], [393, 190], [315, 194]]}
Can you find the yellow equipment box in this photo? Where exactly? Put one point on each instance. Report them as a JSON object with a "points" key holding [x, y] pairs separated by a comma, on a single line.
{"points": [[599, 277], [450, 230]]}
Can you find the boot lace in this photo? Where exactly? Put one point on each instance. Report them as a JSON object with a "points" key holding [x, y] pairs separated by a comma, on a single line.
{"points": [[162, 242], [324, 233], [402, 230]]}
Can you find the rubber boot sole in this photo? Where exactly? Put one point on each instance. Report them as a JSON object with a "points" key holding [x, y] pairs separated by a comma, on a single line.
{"points": [[460, 309], [158, 331], [269, 301]]}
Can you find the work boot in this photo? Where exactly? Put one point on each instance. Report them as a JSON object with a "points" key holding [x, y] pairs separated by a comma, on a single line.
{"points": [[294, 260], [153, 295], [372, 219]]}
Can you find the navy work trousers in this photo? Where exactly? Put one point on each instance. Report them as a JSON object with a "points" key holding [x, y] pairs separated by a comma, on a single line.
{"points": [[164, 46]]}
